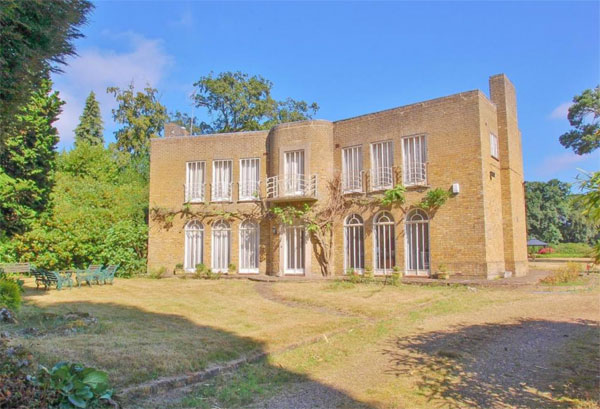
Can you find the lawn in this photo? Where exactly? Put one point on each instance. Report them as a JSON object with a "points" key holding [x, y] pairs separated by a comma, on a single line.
{"points": [[350, 345]]}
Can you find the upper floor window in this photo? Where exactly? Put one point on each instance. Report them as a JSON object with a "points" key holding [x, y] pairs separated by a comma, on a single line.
{"points": [[414, 155], [352, 169], [249, 179], [293, 173], [221, 181], [494, 146], [382, 162], [194, 181]]}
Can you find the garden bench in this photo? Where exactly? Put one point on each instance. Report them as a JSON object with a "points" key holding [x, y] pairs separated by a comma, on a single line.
{"points": [[13, 268], [108, 274], [55, 278], [40, 277], [92, 273]]}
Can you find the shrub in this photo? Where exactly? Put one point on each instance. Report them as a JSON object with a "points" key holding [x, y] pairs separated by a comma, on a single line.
{"points": [[232, 268], [395, 278], [368, 276], [158, 273], [76, 385], [567, 274], [353, 276], [10, 294]]}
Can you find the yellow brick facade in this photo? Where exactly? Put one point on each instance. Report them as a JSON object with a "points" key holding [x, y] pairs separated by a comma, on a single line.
{"points": [[478, 232]]}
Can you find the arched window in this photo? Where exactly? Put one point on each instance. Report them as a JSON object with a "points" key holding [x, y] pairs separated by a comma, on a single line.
{"points": [[194, 245], [221, 246], [417, 243], [354, 243], [384, 242], [249, 242]]}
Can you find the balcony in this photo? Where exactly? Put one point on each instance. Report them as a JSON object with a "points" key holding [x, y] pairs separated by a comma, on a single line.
{"points": [[249, 190], [352, 183], [292, 188], [194, 193], [415, 174], [221, 192], [381, 178]]}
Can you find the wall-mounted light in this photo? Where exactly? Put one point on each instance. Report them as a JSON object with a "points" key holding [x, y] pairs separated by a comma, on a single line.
{"points": [[455, 188], [492, 174]]}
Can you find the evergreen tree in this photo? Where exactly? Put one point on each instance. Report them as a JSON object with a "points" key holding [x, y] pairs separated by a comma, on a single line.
{"points": [[90, 126], [27, 163]]}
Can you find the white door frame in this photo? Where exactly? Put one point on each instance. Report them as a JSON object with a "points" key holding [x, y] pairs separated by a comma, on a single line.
{"points": [[420, 228], [284, 251]]}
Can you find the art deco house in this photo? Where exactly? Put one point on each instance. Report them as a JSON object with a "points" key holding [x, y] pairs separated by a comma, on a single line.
{"points": [[466, 143]]}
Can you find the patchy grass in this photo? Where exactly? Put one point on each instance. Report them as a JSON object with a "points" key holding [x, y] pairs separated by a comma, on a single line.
{"points": [[565, 275]]}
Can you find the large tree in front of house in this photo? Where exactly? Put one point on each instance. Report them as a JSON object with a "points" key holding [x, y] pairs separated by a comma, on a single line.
{"points": [[239, 102], [35, 36], [583, 116], [90, 128], [28, 159], [547, 209], [141, 116]]}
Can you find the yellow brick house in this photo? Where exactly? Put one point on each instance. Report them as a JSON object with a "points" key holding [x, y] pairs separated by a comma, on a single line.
{"points": [[218, 189]]}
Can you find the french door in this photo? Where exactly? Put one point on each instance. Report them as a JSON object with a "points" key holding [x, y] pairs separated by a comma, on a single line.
{"points": [[414, 151], [352, 169], [293, 173], [221, 246], [221, 187], [249, 179], [417, 243], [382, 162], [293, 250]]}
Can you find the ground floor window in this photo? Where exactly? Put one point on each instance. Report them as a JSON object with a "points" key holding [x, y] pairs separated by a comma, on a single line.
{"points": [[194, 245], [221, 246], [417, 243], [384, 243], [354, 243], [249, 247], [294, 249]]}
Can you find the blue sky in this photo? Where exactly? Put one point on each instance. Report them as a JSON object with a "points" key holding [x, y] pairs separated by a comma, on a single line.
{"points": [[351, 58]]}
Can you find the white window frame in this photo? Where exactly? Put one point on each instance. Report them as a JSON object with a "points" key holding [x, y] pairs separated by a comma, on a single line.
{"points": [[297, 234], [417, 227], [354, 243], [194, 185], [194, 245], [352, 169], [494, 151], [384, 232], [382, 165], [249, 263], [294, 171], [221, 183], [249, 184], [221, 246], [414, 160]]}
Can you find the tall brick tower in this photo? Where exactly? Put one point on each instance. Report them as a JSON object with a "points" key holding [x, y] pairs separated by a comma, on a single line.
{"points": [[502, 93]]}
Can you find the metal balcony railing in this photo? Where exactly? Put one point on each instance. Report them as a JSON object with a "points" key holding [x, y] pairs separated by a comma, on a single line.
{"points": [[194, 192], [415, 174], [221, 192], [352, 183], [381, 178], [292, 186], [249, 190]]}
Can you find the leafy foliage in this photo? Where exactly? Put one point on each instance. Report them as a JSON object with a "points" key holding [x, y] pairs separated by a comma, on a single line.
{"points": [[10, 293], [434, 199], [142, 117], [35, 36], [90, 128], [76, 385], [28, 160], [589, 183], [394, 195], [99, 215], [585, 138], [193, 125], [240, 102]]}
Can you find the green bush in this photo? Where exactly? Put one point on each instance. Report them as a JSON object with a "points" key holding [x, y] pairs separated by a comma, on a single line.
{"points": [[565, 275], [76, 385], [158, 273], [10, 294], [583, 249]]}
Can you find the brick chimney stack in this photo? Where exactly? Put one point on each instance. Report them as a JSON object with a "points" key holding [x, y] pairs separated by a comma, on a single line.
{"points": [[173, 130]]}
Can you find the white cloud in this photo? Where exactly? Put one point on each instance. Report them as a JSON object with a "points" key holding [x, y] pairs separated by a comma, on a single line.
{"points": [[554, 164], [561, 111], [96, 69]]}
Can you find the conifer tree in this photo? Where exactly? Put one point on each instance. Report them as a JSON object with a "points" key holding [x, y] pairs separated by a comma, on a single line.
{"points": [[90, 129]]}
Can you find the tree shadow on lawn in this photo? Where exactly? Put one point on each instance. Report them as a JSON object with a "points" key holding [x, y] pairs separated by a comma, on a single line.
{"points": [[141, 347], [528, 364]]}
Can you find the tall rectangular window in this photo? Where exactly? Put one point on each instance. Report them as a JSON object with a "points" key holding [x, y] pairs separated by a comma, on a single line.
{"points": [[414, 155], [352, 169], [382, 163], [194, 181], [249, 179], [293, 173], [221, 181], [494, 146]]}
